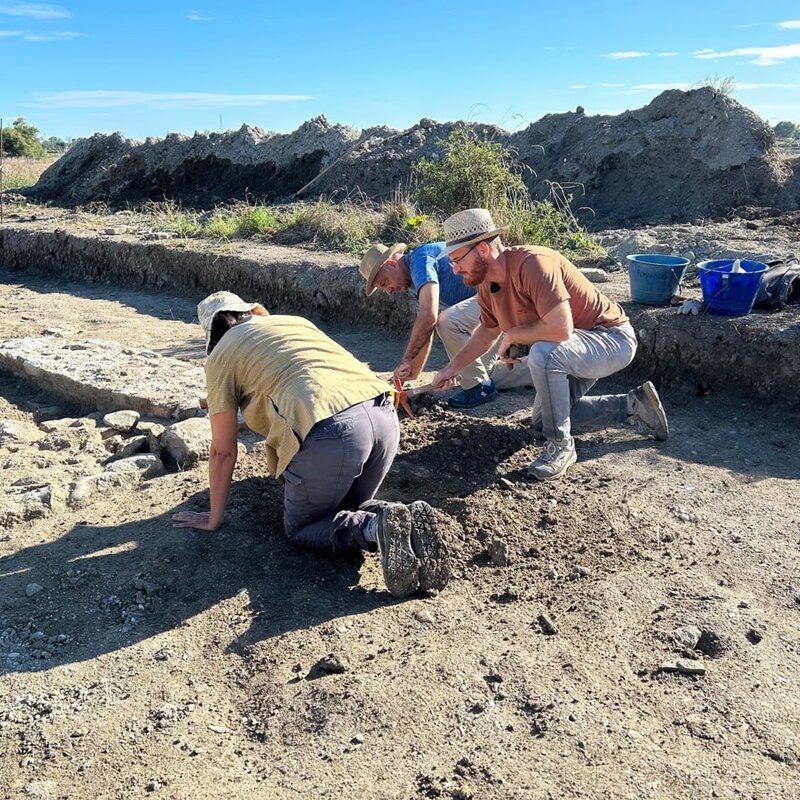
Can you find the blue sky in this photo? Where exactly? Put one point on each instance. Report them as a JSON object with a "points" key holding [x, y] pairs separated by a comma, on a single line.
{"points": [[147, 68]]}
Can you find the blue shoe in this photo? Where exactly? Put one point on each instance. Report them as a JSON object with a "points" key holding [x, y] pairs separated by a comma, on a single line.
{"points": [[476, 396]]}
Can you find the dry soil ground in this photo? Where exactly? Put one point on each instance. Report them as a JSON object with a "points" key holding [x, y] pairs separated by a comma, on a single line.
{"points": [[209, 686]]}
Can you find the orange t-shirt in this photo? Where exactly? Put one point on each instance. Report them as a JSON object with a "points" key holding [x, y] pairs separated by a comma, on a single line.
{"points": [[537, 280]]}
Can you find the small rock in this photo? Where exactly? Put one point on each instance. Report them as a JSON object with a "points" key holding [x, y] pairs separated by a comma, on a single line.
{"points": [[423, 615], [687, 667], [218, 729], [498, 552], [129, 447], [687, 636], [332, 664], [505, 483], [53, 425], [123, 421], [357, 739], [33, 588], [594, 275], [547, 624], [147, 465]]}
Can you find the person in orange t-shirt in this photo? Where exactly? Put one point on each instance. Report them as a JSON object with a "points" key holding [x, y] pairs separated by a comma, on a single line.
{"points": [[535, 296]]}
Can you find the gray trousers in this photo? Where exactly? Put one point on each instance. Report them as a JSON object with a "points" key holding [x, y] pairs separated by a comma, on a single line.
{"points": [[330, 484], [563, 372]]}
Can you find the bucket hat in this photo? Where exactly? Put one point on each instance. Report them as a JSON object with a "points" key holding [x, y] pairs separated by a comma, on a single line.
{"points": [[374, 259], [223, 301], [468, 227]]}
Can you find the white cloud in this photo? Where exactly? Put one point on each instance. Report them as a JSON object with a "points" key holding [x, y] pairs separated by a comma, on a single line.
{"points": [[159, 100], [626, 54], [764, 56], [578, 86], [195, 17], [790, 24], [50, 37], [667, 55], [10, 33], [35, 11]]}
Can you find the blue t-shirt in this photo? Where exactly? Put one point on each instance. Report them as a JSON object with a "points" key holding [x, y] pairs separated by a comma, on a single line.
{"points": [[425, 265]]}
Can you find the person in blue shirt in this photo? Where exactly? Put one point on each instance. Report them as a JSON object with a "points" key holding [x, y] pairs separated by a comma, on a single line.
{"points": [[445, 304]]}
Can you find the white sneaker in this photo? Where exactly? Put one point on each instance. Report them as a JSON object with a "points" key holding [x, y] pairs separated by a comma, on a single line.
{"points": [[557, 458]]}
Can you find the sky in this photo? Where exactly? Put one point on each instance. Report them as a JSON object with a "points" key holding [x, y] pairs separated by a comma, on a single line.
{"points": [[150, 68]]}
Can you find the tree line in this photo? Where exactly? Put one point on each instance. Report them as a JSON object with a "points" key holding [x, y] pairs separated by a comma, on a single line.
{"points": [[22, 139]]}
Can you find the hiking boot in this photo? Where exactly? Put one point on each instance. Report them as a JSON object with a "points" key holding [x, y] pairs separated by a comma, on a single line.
{"points": [[393, 535], [429, 547], [476, 396], [647, 412], [557, 458]]}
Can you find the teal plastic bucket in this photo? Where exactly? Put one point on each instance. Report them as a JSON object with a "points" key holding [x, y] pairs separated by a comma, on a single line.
{"points": [[655, 278], [730, 293]]}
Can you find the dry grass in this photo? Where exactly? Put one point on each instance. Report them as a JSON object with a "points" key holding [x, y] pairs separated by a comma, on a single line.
{"points": [[19, 172]]}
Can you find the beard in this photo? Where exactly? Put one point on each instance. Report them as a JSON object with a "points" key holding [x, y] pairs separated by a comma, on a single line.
{"points": [[478, 274]]}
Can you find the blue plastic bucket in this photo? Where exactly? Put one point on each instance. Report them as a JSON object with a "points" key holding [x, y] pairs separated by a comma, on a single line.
{"points": [[730, 293], [655, 278]]}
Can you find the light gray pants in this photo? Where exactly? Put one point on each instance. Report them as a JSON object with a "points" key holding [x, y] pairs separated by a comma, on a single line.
{"points": [[455, 326], [330, 484], [563, 372]]}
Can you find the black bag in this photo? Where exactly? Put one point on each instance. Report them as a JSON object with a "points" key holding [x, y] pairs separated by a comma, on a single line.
{"points": [[780, 286]]}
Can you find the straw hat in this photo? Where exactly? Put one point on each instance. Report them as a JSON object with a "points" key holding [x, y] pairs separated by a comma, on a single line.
{"points": [[374, 259], [468, 227], [224, 301]]}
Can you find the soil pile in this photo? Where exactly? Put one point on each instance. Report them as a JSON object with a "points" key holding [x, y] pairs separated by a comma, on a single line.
{"points": [[203, 169], [684, 155]]}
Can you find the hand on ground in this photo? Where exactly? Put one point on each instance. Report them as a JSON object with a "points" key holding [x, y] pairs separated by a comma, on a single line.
{"points": [[193, 519]]}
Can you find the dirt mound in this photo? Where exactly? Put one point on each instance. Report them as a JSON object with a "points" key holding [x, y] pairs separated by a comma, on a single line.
{"points": [[201, 170], [685, 155]]}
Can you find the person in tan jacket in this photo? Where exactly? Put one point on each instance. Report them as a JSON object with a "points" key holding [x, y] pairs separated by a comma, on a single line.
{"points": [[331, 433]]}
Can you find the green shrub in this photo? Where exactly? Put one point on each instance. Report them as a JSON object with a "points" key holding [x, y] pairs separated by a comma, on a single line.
{"points": [[547, 223], [349, 226], [241, 223], [472, 174]]}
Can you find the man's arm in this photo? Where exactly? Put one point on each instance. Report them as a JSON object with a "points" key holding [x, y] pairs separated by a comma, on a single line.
{"points": [[421, 338], [555, 326], [481, 340]]}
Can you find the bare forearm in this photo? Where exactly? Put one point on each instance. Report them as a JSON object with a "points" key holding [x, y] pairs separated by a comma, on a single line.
{"points": [[220, 475], [420, 339], [480, 341], [419, 361], [539, 331]]}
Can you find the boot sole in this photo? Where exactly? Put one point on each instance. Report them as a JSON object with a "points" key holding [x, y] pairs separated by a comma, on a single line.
{"points": [[651, 394], [429, 547], [400, 565]]}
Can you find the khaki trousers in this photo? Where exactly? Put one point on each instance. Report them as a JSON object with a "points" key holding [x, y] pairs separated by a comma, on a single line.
{"points": [[455, 326]]}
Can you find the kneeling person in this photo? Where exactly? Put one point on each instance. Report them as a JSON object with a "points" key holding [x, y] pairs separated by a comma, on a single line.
{"points": [[331, 433]]}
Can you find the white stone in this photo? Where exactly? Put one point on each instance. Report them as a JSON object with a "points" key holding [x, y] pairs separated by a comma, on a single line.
{"points": [[123, 421], [188, 442], [147, 465]]}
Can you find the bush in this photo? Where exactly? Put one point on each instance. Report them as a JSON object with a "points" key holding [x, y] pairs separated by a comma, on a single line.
{"points": [[349, 226], [472, 174], [22, 139], [787, 130], [547, 223]]}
